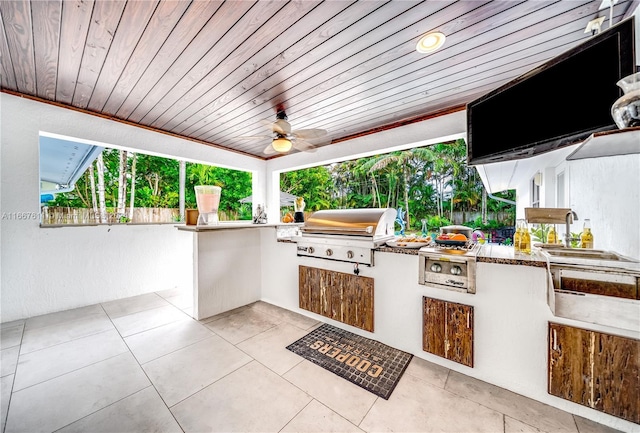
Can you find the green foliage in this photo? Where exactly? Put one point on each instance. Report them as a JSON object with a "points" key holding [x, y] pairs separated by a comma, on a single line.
{"points": [[235, 185], [477, 224], [314, 184], [539, 233], [435, 222]]}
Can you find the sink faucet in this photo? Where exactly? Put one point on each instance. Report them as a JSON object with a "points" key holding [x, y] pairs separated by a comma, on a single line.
{"points": [[571, 216]]}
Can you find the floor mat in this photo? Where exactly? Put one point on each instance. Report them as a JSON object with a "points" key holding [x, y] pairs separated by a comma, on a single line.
{"points": [[367, 363]]}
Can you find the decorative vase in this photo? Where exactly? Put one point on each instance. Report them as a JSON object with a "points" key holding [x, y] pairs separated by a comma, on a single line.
{"points": [[626, 110]]}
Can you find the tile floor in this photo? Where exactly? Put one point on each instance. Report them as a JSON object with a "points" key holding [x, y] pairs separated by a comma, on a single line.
{"points": [[142, 364]]}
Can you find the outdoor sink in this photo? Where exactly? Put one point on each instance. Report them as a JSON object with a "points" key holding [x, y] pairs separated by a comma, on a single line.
{"points": [[587, 254]]}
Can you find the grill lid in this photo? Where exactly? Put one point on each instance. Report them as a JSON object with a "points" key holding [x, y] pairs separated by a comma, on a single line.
{"points": [[371, 223]]}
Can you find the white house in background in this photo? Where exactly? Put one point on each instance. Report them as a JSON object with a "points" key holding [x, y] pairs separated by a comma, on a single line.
{"points": [[605, 190]]}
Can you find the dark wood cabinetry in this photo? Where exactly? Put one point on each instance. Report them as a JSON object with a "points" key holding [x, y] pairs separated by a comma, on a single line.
{"points": [[595, 369], [344, 297], [447, 330]]}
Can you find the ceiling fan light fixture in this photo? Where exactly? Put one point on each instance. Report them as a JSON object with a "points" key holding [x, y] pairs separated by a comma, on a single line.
{"points": [[281, 144], [430, 42]]}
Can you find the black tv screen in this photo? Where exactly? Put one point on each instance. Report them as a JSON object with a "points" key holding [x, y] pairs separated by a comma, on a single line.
{"points": [[557, 104]]}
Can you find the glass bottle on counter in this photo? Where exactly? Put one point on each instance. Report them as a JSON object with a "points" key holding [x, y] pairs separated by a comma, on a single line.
{"points": [[517, 236], [552, 236], [586, 238], [525, 240]]}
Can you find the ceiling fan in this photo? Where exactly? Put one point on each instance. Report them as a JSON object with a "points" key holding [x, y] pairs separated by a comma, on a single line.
{"points": [[284, 139]]}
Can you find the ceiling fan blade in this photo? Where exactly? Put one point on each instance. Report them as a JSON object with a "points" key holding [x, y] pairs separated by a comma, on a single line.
{"points": [[309, 134], [303, 146], [269, 150]]}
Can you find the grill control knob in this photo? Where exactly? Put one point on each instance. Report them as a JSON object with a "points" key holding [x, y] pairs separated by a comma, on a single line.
{"points": [[329, 252], [455, 270], [349, 254], [311, 250], [436, 267]]}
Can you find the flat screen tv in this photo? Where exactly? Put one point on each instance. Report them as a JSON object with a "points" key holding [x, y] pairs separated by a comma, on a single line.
{"points": [[557, 104]]}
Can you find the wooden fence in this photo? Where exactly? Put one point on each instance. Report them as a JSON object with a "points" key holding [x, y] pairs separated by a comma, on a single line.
{"points": [[141, 215]]}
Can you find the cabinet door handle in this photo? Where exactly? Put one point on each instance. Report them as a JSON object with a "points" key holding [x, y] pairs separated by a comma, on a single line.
{"points": [[554, 339], [468, 320]]}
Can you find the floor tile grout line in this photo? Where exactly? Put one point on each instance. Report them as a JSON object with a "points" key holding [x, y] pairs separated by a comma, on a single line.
{"points": [[102, 408], [497, 410], [93, 334], [65, 373], [74, 319], [6, 418], [155, 327], [173, 351], [168, 304], [210, 384], [297, 413]]}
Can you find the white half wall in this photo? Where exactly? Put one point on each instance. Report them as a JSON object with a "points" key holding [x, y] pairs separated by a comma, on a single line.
{"points": [[51, 269]]}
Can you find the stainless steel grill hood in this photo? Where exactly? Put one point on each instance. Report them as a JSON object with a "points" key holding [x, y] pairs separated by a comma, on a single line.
{"points": [[348, 235], [370, 223]]}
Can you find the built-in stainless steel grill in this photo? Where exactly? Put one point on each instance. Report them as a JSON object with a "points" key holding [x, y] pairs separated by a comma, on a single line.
{"points": [[348, 235], [451, 267]]}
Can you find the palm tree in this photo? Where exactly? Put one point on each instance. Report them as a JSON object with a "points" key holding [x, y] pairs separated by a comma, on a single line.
{"points": [[396, 161]]}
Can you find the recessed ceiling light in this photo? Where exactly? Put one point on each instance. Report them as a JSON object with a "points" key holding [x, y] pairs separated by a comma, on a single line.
{"points": [[430, 42]]}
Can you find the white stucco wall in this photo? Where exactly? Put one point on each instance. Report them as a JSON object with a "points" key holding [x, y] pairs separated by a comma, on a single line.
{"points": [[52, 269]]}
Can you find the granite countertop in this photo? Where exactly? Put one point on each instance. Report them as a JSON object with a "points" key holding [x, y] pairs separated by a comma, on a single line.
{"points": [[489, 253], [388, 249], [228, 225], [506, 255]]}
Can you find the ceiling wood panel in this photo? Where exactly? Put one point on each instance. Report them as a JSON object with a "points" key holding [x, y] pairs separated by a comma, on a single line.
{"points": [[129, 32], [233, 87], [46, 18], [104, 22], [8, 79], [272, 32], [127, 96], [163, 21], [16, 17], [264, 20], [76, 18], [217, 71], [204, 43]]}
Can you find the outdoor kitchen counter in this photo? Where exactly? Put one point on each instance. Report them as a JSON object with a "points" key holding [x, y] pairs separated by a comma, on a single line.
{"points": [[227, 260]]}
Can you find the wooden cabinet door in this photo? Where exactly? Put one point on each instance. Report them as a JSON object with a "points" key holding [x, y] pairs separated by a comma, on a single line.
{"points": [[459, 343], [569, 366], [448, 330], [433, 326], [595, 369], [339, 296], [616, 382]]}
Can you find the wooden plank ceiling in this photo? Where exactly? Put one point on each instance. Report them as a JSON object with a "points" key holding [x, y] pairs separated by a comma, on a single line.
{"points": [[217, 71]]}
